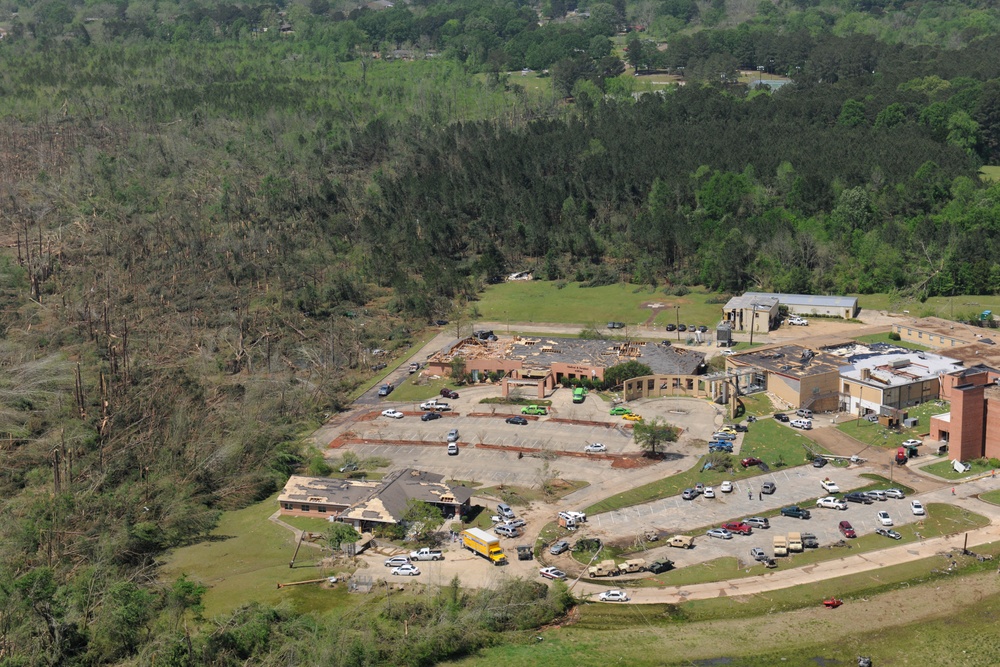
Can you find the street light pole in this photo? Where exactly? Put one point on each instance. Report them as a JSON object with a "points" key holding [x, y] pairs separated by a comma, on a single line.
{"points": [[677, 317]]}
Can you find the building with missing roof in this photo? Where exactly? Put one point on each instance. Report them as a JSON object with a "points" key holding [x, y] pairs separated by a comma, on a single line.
{"points": [[367, 504]]}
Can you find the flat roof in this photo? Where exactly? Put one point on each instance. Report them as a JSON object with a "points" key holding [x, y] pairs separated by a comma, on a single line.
{"points": [[899, 368], [943, 327], [300, 489], [791, 360], [750, 300], [809, 299]]}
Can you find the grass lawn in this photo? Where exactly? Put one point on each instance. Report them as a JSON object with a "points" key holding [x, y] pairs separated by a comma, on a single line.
{"points": [[380, 377], [757, 405], [884, 338], [766, 440], [522, 496], [415, 389], [938, 306], [991, 497], [945, 470], [245, 559], [593, 307], [990, 173], [306, 523], [875, 434]]}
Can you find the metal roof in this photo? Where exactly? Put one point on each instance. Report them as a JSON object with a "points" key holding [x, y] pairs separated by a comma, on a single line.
{"points": [[809, 299]]}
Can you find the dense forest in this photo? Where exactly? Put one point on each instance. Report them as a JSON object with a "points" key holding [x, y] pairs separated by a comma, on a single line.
{"points": [[212, 213]]}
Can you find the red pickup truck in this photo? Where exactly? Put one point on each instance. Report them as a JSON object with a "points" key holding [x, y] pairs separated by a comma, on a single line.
{"points": [[738, 527]]}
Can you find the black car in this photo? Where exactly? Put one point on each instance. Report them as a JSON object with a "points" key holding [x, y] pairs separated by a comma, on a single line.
{"points": [[430, 416], [520, 421], [819, 462], [702, 328], [671, 327], [781, 417], [660, 566], [740, 428], [795, 512], [858, 497], [682, 327], [440, 323], [616, 325], [378, 367]]}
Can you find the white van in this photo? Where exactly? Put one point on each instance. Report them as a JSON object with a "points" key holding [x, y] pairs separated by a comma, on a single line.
{"points": [[804, 424]]}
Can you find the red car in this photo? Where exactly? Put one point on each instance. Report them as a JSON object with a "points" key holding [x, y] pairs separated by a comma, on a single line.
{"points": [[738, 527], [847, 529], [746, 463], [449, 393]]}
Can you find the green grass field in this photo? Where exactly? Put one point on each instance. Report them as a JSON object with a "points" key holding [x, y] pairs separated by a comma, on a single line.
{"points": [[989, 173], [945, 470], [876, 435], [245, 559]]}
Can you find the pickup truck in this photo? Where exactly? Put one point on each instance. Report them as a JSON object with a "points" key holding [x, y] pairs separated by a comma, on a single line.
{"points": [[434, 405], [795, 512], [534, 410], [832, 503], [738, 527], [426, 554]]}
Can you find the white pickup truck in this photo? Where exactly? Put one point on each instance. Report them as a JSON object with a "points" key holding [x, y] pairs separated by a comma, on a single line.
{"points": [[426, 554], [434, 406]]}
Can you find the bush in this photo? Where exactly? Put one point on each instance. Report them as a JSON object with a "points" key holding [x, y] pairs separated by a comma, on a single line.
{"points": [[894, 336]]}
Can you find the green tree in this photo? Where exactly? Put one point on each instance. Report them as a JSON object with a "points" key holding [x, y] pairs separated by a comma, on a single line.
{"points": [[617, 374], [636, 53], [337, 533], [852, 114], [650, 435], [423, 517]]}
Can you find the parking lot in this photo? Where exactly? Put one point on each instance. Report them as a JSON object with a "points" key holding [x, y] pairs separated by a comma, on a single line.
{"points": [[795, 486]]}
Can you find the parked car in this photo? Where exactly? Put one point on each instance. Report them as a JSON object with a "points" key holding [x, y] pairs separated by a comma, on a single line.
{"points": [[689, 494], [891, 534], [430, 416], [728, 353], [709, 492], [616, 325], [720, 533], [894, 493], [740, 527], [884, 518], [392, 414], [757, 522], [671, 327], [692, 328], [819, 462], [805, 413], [397, 561], [858, 497], [727, 429], [768, 488], [726, 486], [619, 410], [719, 446], [613, 596], [552, 573], [798, 322], [877, 495], [847, 529], [534, 410], [795, 512], [579, 517], [505, 512], [559, 547], [782, 417], [385, 389], [809, 541], [349, 467], [452, 449], [758, 554], [917, 507], [408, 570], [632, 417], [440, 323], [912, 442], [378, 367], [449, 393], [830, 486], [750, 461], [804, 424], [682, 328], [702, 328], [722, 435], [595, 448], [832, 503], [453, 435], [519, 421], [506, 530]]}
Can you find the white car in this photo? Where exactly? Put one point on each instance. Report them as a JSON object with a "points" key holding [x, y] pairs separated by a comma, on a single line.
{"points": [[830, 486], [552, 573], [613, 596], [726, 487], [798, 321], [832, 503], [407, 570], [720, 533], [912, 442], [917, 507], [397, 561], [595, 448], [578, 517], [728, 353], [884, 518], [392, 414], [709, 492]]}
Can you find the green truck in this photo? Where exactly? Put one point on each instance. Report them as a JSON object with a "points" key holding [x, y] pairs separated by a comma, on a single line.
{"points": [[534, 410]]}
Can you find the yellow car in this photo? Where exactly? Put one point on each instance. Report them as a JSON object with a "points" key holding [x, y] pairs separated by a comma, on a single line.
{"points": [[727, 429], [632, 417]]}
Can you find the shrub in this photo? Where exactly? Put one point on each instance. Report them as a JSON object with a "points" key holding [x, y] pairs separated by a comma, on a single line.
{"points": [[894, 336]]}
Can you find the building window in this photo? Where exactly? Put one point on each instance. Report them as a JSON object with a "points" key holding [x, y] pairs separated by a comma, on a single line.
{"points": [[909, 332], [650, 385], [321, 509], [305, 508], [288, 506], [920, 334]]}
